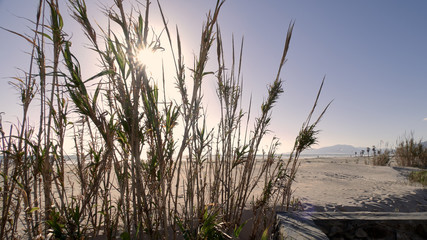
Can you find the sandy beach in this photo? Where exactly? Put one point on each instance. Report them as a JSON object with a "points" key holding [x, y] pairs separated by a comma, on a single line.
{"points": [[337, 184], [346, 184], [349, 184]]}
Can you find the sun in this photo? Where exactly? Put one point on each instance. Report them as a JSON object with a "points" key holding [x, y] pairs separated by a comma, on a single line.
{"points": [[159, 66], [150, 58]]}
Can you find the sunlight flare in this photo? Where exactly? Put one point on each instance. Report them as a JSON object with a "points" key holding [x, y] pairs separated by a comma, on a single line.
{"points": [[150, 58]]}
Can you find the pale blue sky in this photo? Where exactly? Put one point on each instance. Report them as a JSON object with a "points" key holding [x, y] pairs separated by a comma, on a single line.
{"points": [[373, 53]]}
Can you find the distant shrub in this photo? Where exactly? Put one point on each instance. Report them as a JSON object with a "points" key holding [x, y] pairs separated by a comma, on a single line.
{"points": [[419, 176], [381, 159], [411, 153]]}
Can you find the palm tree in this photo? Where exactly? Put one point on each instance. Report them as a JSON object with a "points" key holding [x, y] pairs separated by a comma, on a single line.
{"points": [[367, 150], [373, 150]]}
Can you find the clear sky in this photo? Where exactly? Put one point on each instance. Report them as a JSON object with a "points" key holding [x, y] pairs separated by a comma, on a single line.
{"points": [[373, 54]]}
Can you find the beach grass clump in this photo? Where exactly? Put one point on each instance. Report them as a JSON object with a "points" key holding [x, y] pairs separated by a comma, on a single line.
{"points": [[382, 159], [410, 152], [419, 176], [132, 171]]}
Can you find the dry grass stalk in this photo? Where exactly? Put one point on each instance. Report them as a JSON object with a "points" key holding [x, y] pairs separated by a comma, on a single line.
{"points": [[130, 176], [410, 152], [382, 159]]}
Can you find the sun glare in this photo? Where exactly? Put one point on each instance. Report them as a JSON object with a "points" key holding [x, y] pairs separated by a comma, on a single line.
{"points": [[161, 76], [152, 60]]}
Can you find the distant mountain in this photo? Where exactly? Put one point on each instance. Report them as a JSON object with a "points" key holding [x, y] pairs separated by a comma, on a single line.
{"points": [[336, 149]]}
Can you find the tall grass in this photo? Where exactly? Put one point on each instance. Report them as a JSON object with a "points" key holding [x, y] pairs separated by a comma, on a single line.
{"points": [[382, 159], [132, 176], [410, 152]]}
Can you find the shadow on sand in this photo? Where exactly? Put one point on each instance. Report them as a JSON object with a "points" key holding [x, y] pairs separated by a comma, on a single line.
{"points": [[414, 202]]}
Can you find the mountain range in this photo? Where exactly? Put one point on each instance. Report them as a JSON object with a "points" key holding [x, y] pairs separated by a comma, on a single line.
{"points": [[336, 149], [341, 149]]}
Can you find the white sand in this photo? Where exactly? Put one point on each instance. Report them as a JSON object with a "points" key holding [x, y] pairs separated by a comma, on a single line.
{"points": [[348, 184]]}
